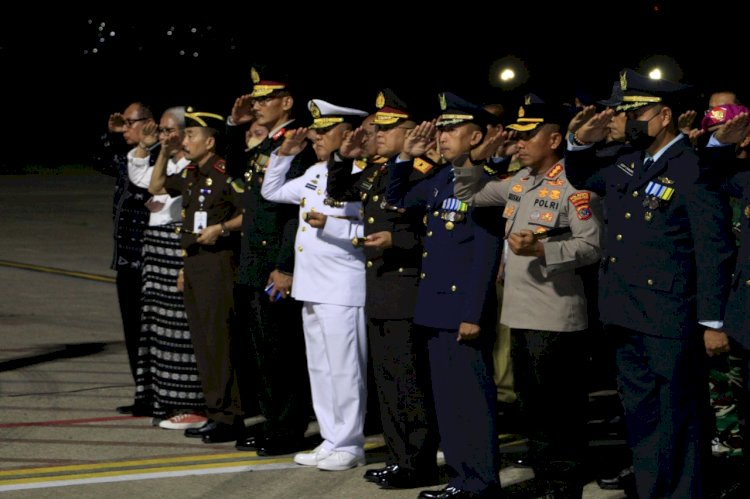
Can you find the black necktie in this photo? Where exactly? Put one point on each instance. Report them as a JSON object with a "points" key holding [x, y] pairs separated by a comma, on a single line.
{"points": [[647, 164]]}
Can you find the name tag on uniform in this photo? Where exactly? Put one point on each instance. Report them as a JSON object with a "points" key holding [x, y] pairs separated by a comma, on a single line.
{"points": [[200, 221]]}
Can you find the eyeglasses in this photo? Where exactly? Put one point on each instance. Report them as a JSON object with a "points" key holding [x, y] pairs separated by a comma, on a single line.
{"points": [[130, 122], [167, 130]]}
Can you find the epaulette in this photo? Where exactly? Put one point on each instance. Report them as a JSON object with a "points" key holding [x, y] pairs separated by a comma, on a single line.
{"points": [[220, 166], [554, 172], [280, 134], [237, 184], [423, 165]]}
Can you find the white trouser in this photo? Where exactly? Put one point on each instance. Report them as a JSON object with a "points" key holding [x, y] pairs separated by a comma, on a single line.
{"points": [[336, 345]]}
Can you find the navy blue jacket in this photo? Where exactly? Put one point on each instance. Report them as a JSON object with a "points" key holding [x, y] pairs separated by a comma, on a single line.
{"points": [[460, 256], [737, 318], [667, 261]]}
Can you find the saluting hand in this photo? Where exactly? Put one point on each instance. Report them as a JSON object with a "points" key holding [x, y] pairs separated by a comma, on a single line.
{"points": [[116, 123], [419, 140], [294, 142], [468, 331], [734, 130], [493, 140], [595, 128], [242, 110], [150, 133], [685, 121], [580, 118], [353, 145]]}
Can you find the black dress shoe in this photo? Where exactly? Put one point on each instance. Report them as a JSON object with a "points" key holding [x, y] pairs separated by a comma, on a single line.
{"points": [[247, 443], [134, 409], [222, 432], [278, 446], [374, 475], [447, 493], [625, 478], [199, 432], [403, 478]]}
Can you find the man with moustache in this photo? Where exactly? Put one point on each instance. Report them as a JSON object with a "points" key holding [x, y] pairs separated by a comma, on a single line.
{"points": [[210, 213]]}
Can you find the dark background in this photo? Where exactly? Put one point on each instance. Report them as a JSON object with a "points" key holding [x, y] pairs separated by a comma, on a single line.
{"points": [[57, 93]]}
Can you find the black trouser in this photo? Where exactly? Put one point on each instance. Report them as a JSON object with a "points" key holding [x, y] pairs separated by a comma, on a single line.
{"points": [[278, 349], [209, 303], [549, 370], [466, 406], [401, 370], [129, 284], [663, 383]]}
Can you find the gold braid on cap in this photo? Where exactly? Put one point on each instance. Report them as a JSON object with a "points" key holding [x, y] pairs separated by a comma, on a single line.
{"points": [[198, 116]]}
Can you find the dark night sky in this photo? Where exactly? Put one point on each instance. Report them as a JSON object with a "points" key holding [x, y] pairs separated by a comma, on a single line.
{"points": [[57, 98]]}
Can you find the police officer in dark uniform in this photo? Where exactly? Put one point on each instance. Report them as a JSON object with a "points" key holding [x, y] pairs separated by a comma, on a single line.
{"points": [[455, 308], [664, 281], [210, 202], [392, 244], [273, 318]]}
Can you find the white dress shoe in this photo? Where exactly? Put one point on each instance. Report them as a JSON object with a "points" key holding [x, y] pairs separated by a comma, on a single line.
{"points": [[340, 461], [313, 457]]}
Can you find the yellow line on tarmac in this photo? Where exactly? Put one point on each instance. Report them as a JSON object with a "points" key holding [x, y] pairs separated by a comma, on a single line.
{"points": [[53, 270], [125, 464], [142, 471]]}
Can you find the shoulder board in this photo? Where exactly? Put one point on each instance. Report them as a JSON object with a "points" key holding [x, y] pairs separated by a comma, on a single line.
{"points": [[489, 170], [278, 135], [423, 165], [360, 164], [554, 172], [220, 166], [237, 184]]}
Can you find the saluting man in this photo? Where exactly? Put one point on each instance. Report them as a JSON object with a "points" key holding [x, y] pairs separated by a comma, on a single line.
{"points": [[329, 277], [210, 213], [664, 281], [551, 230], [456, 302]]}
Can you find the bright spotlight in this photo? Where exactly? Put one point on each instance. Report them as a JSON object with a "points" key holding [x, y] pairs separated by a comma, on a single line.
{"points": [[507, 74], [655, 74]]}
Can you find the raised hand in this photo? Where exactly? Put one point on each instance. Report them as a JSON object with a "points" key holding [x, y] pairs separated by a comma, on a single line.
{"points": [[353, 145], [493, 140], [150, 133], [580, 118], [734, 130], [294, 142], [685, 121], [242, 110], [419, 140], [116, 123], [595, 128]]}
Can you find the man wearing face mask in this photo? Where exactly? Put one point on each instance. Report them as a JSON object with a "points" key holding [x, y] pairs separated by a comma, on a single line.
{"points": [[664, 281]]}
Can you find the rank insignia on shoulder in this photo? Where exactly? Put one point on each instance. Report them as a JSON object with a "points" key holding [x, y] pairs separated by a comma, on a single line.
{"points": [[238, 186], [360, 164], [554, 172], [422, 165], [280, 134], [220, 166]]}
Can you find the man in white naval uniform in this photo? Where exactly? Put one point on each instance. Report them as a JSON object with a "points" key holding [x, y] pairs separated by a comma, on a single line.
{"points": [[329, 278]]}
